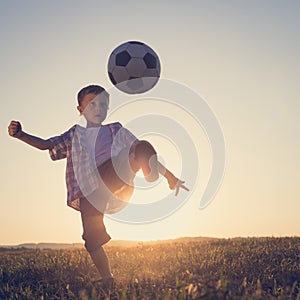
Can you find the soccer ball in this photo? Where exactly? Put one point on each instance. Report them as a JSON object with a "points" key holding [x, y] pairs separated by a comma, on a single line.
{"points": [[133, 67]]}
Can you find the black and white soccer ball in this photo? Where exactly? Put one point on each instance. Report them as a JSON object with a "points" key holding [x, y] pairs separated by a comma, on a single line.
{"points": [[133, 67]]}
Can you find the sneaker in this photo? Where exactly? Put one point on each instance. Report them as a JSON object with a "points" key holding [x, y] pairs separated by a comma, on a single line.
{"points": [[105, 283]]}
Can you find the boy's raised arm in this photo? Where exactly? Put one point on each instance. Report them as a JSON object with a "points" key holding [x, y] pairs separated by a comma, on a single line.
{"points": [[15, 130]]}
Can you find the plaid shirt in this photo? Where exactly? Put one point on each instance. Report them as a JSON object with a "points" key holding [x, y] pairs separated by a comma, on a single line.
{"points": [[80, 165]]}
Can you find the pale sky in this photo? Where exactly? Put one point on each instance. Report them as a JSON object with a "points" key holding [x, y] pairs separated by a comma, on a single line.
{"points": [[242, 57]]}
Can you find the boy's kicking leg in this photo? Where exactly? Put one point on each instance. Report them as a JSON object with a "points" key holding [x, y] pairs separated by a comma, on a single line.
{"points": [[144, 157]]}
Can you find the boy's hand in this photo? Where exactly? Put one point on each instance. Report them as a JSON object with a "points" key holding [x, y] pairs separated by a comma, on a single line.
{"points": [[15, 129], [177, 184]]}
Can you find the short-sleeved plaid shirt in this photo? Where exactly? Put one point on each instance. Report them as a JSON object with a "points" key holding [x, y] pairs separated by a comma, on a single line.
{"points": [[80, 165]]}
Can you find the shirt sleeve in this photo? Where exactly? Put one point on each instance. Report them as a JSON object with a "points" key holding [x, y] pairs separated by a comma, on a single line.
{"points": [[126, 136], [60, 145]]}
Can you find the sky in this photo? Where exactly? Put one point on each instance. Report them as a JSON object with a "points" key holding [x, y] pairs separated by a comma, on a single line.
{"points": [[242, 57]]}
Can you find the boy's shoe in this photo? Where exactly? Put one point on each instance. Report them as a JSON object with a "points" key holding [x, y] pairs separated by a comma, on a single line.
{"points": [[105, 283]]}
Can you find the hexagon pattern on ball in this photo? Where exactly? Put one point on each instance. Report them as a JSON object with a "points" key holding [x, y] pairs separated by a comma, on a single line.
{"points": [[133, 67]]}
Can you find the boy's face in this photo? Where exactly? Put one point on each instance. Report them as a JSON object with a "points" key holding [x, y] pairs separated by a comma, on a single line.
{"points": [[94, 108]]}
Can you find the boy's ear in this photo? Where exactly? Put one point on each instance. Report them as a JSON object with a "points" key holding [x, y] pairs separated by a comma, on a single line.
{"points": [[79, 108]]}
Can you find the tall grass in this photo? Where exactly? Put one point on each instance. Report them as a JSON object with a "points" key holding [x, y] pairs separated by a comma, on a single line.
{"points": [[250, 268]]}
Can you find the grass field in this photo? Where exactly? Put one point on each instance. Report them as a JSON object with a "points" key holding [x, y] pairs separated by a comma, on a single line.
{"points": [[246, 268]]}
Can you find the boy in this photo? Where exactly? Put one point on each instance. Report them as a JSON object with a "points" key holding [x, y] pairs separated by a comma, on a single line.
{"points": [[102, 161]]}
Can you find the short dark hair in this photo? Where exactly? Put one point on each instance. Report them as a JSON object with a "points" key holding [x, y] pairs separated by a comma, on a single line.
{"points": [[90, 89]]}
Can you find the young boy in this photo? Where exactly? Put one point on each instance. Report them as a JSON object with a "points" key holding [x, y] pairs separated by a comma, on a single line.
{"points": [[102, 161]]}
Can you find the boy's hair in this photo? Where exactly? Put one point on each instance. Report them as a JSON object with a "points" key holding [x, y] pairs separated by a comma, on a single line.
{"points": [[90, 89]]}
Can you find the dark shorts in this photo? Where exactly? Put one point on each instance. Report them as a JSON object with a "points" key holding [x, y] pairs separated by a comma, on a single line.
{"points": [[116, 173], [94, 231], [119, 183]]}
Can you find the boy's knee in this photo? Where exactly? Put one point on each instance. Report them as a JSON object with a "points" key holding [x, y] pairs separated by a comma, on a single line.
{"points": [[94, 239], [144, 149], [94, 231]]}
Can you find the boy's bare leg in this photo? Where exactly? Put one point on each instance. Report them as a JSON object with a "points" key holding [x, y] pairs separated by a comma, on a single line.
{"points": [[101, 262], [144, 157], [95, 236]]}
